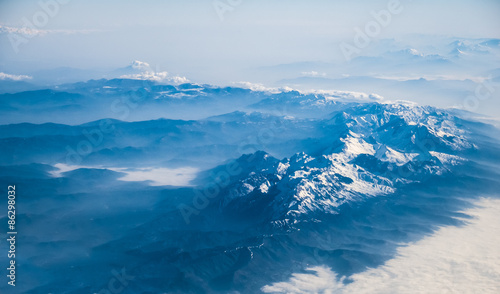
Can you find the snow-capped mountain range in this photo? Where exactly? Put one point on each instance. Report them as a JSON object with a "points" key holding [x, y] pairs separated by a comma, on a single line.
{"points": [[372, 150], [204, 188]]}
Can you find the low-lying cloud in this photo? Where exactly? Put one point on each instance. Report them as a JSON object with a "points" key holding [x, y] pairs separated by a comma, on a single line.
{"points": [[5, 76], [453, 260], [32, 32], [154, 176]]}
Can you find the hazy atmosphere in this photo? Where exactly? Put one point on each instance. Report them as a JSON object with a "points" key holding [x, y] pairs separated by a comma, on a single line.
{"points": [[274, 43], [237, 146]]}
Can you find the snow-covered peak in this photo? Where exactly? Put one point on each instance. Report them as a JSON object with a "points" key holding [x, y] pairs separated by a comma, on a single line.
{"points": [[375, 149], [140, 65], [140, 70]]}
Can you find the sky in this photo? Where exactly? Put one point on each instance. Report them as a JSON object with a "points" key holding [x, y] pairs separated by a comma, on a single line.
{"points": [[208, 38]]}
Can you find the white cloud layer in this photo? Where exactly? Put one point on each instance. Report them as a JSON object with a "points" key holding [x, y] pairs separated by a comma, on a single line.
{"points": [[453, 260], [329, 94], [32, 32], [157, 77], [313, 74], [5, 76], [262, 88], [155, 176], [323, 280], [160, 176]]}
